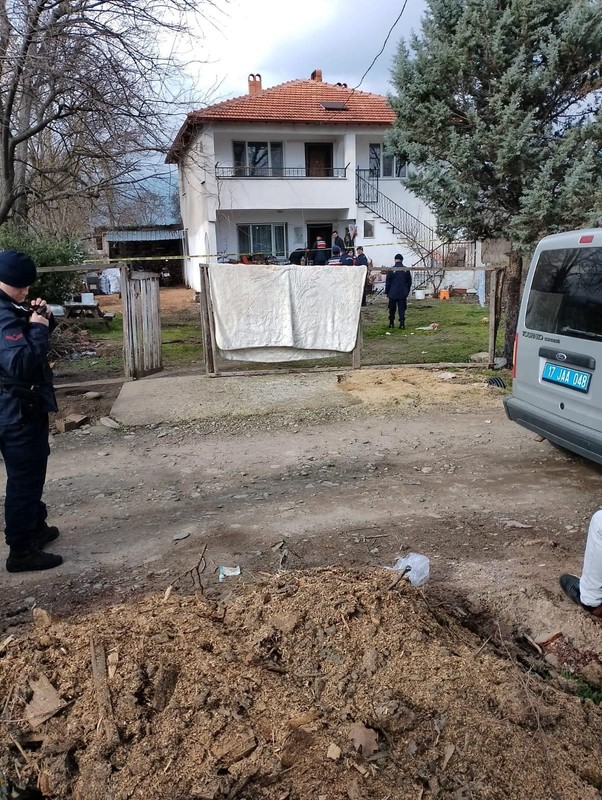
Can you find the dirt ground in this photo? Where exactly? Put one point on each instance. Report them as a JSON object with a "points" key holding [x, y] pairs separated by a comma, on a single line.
{"points": [[177, 305], [311, 508]]}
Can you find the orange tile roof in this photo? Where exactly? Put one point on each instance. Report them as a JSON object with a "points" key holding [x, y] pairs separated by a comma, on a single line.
{"points": [[295, 101]]}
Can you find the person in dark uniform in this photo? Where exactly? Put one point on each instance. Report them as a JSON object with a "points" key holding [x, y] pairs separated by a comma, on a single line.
{"points": [[361, 260], [26, 397], [320, 252], [397, 289]]}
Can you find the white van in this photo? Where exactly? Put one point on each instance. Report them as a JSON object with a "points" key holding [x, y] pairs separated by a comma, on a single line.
{"points": [[557, 388]]}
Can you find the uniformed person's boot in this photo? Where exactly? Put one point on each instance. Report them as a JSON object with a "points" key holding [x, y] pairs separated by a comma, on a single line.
{"points": [[45, 534], [31, 559]]}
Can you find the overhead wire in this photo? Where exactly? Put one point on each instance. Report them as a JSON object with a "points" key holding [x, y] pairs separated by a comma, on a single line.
{"points": [[377, 56], [382, 49]]}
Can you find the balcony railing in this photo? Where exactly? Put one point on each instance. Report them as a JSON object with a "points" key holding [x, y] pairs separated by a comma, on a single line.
{"points": [[280, 172]]}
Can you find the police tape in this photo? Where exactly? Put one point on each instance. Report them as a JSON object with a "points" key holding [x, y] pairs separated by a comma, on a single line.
{"points": [[95, 264]]}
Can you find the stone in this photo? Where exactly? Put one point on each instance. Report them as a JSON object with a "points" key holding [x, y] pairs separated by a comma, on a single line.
{"points": [[109, 423], [544, 639], [92, 395], [480, 358], [70, 422], [333, 752]]}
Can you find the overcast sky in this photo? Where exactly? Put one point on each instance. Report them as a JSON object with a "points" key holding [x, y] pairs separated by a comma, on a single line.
{"points": [[287, 39]]}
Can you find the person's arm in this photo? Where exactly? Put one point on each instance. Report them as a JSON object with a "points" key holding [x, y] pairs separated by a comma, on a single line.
{"points": [[24, 349], [409, 280], [388, 282]]}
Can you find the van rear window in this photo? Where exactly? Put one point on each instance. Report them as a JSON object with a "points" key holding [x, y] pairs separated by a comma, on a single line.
{"points": [[566, 293]]}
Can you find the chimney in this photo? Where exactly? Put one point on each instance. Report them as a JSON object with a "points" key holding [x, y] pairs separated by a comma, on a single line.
{"points": [[316, 75], [254, 83]]}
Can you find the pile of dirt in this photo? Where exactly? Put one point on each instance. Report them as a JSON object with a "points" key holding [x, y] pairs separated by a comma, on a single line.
{"points": [[423, 388], [320, 684]]}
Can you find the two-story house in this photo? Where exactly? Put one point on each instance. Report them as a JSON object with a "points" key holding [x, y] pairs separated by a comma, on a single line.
{"points": [[268, 172]]}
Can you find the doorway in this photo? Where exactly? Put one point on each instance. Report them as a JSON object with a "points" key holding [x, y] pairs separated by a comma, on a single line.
{"points": [[318, 160], [323, 230]]}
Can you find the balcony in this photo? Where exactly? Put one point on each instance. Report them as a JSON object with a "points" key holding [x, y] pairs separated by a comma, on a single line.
{"points": [[276, 188], [280, 172]]}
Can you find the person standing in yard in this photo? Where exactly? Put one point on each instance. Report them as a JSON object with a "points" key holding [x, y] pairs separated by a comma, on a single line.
{"points": [[397, 289], [26, 397], [361, 260], [587, 590]]}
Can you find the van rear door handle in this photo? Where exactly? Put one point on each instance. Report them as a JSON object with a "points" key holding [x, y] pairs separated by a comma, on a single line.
{"points": [[564, 357]]}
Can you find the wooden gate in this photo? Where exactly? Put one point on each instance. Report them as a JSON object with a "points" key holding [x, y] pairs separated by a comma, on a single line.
{"points": [[141, 323]]}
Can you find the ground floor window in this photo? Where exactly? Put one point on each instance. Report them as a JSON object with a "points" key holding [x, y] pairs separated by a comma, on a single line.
{"points": [[264, 239]]}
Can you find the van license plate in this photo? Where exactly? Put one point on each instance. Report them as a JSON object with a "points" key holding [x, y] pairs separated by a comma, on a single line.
{"points": [[572, 378]]}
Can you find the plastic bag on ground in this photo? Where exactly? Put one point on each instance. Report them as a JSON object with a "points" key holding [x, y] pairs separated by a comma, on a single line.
{"points": [[418, 565]]}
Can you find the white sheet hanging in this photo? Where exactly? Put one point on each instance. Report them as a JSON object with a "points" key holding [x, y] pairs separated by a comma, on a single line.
{"points": [[285, 313]]}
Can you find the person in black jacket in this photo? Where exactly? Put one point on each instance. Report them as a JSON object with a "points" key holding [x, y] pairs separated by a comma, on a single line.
{"points": [[26, 397], [346, 259], [361, 260], [337, 242], [397, 288]]}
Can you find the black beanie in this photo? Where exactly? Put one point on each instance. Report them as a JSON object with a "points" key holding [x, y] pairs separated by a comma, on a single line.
{"points": [[398, 257], [17, 269]]}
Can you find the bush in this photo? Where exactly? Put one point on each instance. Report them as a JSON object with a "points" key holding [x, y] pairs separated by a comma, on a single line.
{"points": [[46, 252]]}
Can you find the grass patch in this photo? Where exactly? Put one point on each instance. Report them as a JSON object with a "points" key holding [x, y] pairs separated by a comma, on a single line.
{"points": [[89, 369], [461, 332], [583, 689]]}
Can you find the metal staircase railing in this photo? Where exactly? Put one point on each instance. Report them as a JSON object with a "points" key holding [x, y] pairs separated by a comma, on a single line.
{"points": [[418, 236], [434, 255]]}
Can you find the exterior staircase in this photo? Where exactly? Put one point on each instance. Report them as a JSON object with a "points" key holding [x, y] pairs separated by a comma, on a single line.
{"points": [[434, 255], [419, 237]]}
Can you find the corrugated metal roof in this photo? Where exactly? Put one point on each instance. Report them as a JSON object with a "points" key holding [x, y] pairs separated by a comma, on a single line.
{"points": [[153, 235]]}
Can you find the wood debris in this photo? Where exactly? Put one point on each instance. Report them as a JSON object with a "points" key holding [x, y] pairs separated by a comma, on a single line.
{"points": [[45, 701]]}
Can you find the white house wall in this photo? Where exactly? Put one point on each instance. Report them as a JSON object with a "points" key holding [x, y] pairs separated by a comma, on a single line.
{"points": [[198, 202], [278, 193]]}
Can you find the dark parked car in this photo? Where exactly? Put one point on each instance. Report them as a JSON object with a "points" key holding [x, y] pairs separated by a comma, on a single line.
{"points": [[296, 256]]}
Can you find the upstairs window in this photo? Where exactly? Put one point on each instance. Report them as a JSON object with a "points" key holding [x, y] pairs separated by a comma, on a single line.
{"points": [[258, 159], [383, 165]]}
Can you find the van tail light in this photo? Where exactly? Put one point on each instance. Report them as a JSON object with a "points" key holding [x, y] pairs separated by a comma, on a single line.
{"points": [[514, 356]]}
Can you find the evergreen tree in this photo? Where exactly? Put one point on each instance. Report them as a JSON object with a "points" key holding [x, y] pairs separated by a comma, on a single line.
{"points": [[498, 107]]}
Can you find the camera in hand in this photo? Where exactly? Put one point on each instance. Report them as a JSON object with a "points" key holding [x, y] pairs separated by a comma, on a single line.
{"points": [[38, 308]]}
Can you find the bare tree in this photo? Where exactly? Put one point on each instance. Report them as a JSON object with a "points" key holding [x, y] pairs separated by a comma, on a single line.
{"points": [[86, 96]]}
